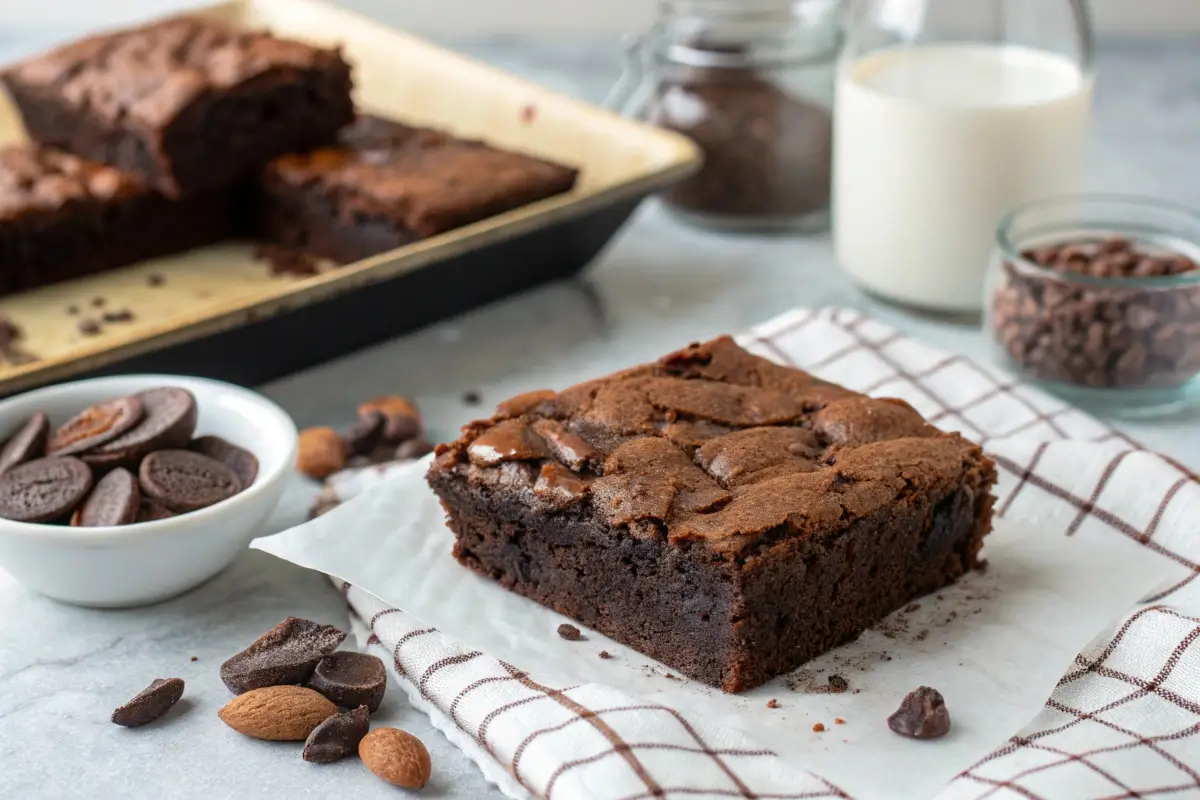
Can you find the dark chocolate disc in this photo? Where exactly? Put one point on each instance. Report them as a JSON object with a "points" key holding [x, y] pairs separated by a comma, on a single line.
{"points": [[241, 461], [95, 425], [44, 490], [168, 423], [115, 501], [26, 443], [186, 481]]}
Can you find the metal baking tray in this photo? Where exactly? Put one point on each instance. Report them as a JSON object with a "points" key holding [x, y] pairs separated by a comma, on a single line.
{"points": [[221, 313]]}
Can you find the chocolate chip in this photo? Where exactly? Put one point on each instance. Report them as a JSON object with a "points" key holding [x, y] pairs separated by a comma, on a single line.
{"points": [[118, 315], [27, 443], [365, 435], [168, 422], [116, 500], [88, 327], [413, 448], [185, 481], [351, 679], [95, 425], [569, 632], [922, 715], [337, 737], [241, 461], [150, 703], [284, 655], [155, 279], [44, 490]]}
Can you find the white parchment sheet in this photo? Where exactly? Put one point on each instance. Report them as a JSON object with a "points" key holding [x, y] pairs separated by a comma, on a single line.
{"points": [[995, 644]]}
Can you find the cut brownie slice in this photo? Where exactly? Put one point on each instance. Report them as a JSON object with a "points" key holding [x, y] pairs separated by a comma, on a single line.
{"points": [[62, 217], [728, 516], [188, 103], [388, 184]]}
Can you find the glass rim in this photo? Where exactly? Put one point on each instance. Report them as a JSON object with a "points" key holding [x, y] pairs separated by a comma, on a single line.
{"points": [[1013, 254]]}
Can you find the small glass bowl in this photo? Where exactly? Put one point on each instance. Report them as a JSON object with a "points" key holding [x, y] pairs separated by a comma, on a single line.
{"points": [[1121, 346]]}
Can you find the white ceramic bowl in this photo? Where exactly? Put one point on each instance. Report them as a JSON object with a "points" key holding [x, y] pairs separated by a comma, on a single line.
{"points": [[139, 564]]}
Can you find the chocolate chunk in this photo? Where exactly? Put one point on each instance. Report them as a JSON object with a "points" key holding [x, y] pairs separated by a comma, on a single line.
{"points": [[284, 655], [413, 448], [44, 490], [365, 435], [150, 703], [337, 737], [569, 632], [168, 423], [150, 510], [241, 461], [95, 425], [351, 679], [116, 500], [922, 715], [117, 315], [88, 327], [185, 481], [27, 443], [403, 419]]}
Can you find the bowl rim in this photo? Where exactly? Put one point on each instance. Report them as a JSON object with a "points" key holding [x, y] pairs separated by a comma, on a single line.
{"points": [[1013, 254], [104, 534]]}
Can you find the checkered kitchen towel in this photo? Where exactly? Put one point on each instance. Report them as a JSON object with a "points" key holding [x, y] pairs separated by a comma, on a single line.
{"points": [[1124, 722]]}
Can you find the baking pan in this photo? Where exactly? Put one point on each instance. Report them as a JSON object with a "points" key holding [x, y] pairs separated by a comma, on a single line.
{"points": [[219, 312]]}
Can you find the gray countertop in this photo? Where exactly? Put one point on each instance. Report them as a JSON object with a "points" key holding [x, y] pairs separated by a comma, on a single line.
{"points": [[62, 669]]}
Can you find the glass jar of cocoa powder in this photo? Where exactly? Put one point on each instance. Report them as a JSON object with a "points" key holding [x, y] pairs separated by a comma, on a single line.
{"points": [[751, 82]]}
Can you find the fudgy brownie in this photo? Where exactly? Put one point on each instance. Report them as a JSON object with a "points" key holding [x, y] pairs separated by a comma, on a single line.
{"points": [[62, 217], [388, 184], [728, 516], [186, 102]]}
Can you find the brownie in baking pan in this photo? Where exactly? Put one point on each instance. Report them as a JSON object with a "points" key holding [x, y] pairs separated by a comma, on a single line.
{"points": [[387, 184], [728, 516], [188, 103], [62, 217]]}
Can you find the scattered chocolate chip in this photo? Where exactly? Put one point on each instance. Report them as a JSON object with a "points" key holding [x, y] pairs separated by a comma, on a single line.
{"points": [[351, 679], [150, 703], [185, 481], [98, 302], [819, 728], [194, 658], [605, 654], [838, 684], [413, 449], [44, 490], [569, 632], [116, 500], [337, 737], [88, 327], [772, 703], [117, 315], [472, 397], [241, 461], [155, 279], [922, 715], [27, 443], [365, 434], [287, 260], [286, 654]]}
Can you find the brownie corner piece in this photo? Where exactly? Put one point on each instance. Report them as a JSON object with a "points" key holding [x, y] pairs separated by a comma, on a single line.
{"points": [[728, 516], [188, 103]]}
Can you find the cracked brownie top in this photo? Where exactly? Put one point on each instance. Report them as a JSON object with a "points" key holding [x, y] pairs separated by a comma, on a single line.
{"points": [[710, 443]]}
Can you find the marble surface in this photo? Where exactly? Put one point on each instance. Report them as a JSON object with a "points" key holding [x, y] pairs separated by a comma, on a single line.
{"points": [[62, 670]]}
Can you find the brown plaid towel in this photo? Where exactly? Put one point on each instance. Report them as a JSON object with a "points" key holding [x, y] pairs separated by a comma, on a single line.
{"points": [[1122, 723]]}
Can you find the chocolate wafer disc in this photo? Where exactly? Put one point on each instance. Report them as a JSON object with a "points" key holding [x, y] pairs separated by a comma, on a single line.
{"points": [[168, 423], [44, 490], [27, 443], [185, 481]]}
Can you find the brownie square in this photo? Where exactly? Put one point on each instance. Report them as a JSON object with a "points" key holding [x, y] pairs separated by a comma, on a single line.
{"points": [[62, 217], [187, 103], [728, 516], [387, 184]]}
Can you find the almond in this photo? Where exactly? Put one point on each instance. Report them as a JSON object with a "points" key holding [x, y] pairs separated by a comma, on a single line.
{"points": [[322, 452], [277, 713], [397, 757]]}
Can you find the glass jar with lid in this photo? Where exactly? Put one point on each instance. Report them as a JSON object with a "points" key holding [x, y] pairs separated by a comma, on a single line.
{"points": [[751, 82]]}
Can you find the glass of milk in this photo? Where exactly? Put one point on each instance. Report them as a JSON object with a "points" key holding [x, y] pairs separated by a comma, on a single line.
{"points": [[950, 113]]}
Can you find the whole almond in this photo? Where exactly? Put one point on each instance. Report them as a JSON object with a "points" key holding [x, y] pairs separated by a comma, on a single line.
{"points": [[397, 757], [277, 713], [322, 452]]}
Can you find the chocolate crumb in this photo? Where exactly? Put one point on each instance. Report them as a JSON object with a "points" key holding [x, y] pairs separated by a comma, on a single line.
{"points": [[913, 607], [88, 327], [155, 279], [819, 728], [472, 397], [194, 658], [118, 315], [838, 684], [922, 715], [772, 703], [569, 632], [98, 302], [923, 635], [839, 721], [605, 654], [286, 260]]}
